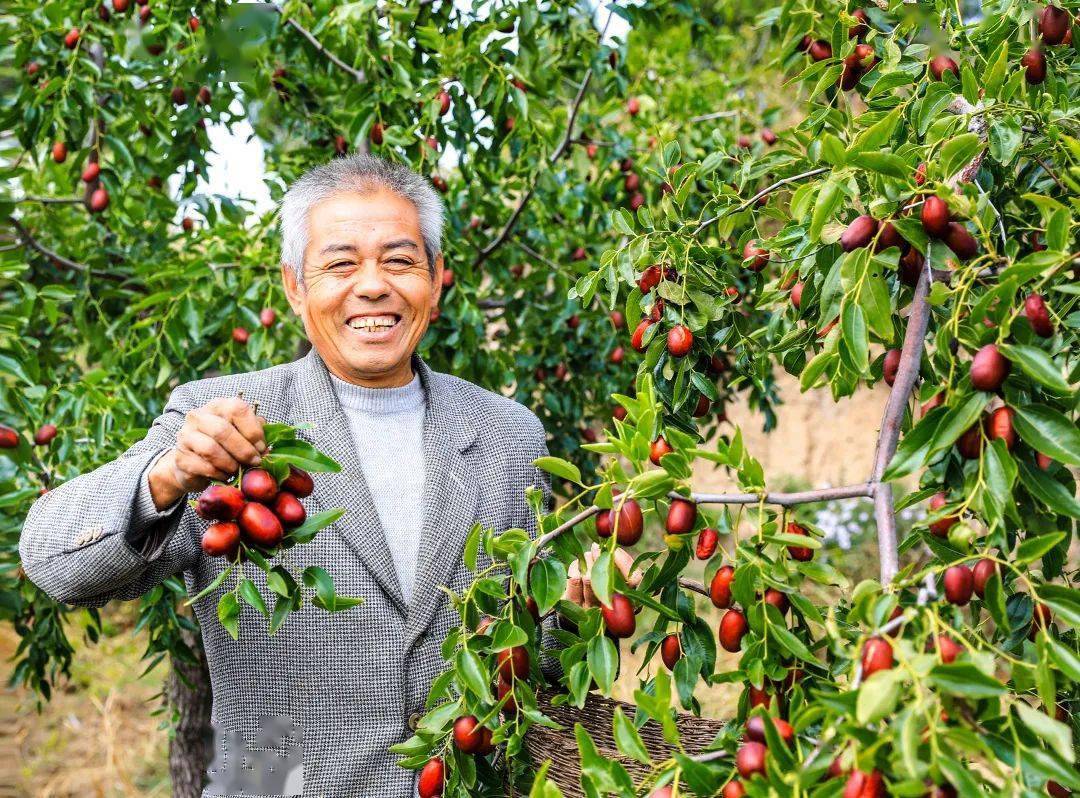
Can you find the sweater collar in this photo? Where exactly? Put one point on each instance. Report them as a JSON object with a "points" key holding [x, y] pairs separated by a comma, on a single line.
{"points": [[407, 398]]}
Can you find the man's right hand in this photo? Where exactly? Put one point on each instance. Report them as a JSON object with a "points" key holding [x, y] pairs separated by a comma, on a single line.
{"points": [[215, 441]]}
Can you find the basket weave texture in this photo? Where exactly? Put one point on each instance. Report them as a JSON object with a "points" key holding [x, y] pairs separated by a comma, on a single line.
{"points": [[560, 745]]}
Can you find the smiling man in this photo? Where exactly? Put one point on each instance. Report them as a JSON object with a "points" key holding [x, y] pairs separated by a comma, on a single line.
{"points": [[424, 457]]}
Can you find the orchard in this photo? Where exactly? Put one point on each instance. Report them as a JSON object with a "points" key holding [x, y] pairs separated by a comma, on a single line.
{"points": [[641, 229]]}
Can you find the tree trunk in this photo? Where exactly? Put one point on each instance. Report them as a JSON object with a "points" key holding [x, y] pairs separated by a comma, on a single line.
{"points": [[189, 697]]}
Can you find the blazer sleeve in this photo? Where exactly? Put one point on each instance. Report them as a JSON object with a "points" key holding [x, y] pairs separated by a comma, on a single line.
{"points": [[549, 660], [91, 539]]}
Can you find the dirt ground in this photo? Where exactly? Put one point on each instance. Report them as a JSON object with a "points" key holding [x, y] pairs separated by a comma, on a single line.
{"points": [[100, 736]]}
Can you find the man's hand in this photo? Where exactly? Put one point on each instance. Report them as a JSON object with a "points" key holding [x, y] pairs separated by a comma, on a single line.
{"points": [[215, 441], [579, 589]]}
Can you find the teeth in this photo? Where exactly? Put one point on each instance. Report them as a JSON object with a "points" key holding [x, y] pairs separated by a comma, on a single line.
{"points": [[372, 322]]}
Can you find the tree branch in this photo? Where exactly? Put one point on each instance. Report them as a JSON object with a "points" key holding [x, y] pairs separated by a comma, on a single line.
{"points": [[889, 435], [864, 490], [714, 115], [763, 193], [568, 137], [56, 257], [357, 74]]}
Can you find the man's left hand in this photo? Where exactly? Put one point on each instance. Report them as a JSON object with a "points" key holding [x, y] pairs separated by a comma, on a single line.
{"points": [[579, 587]]}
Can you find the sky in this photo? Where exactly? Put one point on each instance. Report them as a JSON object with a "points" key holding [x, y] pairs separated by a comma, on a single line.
{"points": [[236, 167]]}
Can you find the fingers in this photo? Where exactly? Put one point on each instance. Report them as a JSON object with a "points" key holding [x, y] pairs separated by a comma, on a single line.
{"points": [[241, 416], [198, 445], [624, 560], [574, 591]]}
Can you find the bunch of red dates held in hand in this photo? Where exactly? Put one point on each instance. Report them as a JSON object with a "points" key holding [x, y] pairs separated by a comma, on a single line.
{"points": [[257, 515]]}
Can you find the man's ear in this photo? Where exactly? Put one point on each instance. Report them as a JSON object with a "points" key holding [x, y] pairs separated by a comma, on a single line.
{"points": [[293, 291], [436, 288]]}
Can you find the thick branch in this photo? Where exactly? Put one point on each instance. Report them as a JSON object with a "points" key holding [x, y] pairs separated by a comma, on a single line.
{"points": [[889, 435], [863, 490], [763, 193], [568, 136], [357, 74], [547, 537], [56, 257]]}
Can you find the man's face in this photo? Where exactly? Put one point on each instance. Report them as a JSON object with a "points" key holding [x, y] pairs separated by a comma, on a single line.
{"points": [[368, 292]]}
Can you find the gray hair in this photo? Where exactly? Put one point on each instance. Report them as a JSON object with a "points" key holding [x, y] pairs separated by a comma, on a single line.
{"points": [[363, 173]]}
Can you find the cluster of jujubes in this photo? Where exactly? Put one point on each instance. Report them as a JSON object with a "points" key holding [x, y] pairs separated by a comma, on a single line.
{"points": [[256, 513]]}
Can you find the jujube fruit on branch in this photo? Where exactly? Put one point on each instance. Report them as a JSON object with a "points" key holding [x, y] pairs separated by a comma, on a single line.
{"points": [[637, 339], [859, 233], [940, 64], [619, 616], [469, 736], [625, 521], [981, 573], [221, 539], [59, 152], [777, 598], [289, 510], [1038, 316], [755, 729], [970, 444], [706, 543], [1034, 64], [890, 365], [941, 527], [733, 789], [1054, 24], [220, 503], [681, 517], [800, 553], [865, 785], [959, 584], [9, 438], [960, 241], [432, 779], [260, 526], [658, 449], [754, 257], [720, 587], [513, 662], [819, 50], [947, 648], [999, 426], [750, 759], [862, 28], [258, 485], [670, 651], [877, 656], [935, 217], [989, 368], [45, 434], [733, 628], [679, 341]]}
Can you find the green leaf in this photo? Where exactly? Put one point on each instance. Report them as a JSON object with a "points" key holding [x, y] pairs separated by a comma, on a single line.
{"points": [[302, 455], [1035, 547], [1053, 732], [913, 448], [1038, 365], [958, 152], [956, 421], [878, 696], [1049, 491], [603, 660], [628, 739], [560, 468], [876, 136], [1048, 431], [794, 646], [473, 674], [547, 582], [1064, 601], [828, 200], [964, 679], [206, 591], [855, 338], [250, 593], [318, 578], [1066, 659], [315, 523], [228, 612]]}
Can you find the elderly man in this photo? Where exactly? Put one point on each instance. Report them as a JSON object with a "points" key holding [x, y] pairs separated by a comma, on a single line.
{"points": [[424, 456]]}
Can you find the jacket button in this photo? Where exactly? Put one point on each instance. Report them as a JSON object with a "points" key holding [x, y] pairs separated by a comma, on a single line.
{"points": [[414, 720]]}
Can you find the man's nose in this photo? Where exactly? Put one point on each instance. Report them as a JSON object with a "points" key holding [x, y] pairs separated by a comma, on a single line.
{"points": [[369, 281]]}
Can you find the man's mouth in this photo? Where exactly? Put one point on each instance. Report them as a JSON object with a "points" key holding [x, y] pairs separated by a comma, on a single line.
{"points": [[373, 323]]}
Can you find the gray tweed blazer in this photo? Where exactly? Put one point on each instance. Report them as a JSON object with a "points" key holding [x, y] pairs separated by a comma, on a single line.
{"points": [[330, 692]]}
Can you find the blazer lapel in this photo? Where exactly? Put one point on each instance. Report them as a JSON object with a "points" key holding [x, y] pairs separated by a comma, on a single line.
{"points": [[315, 402], [450, 498]]}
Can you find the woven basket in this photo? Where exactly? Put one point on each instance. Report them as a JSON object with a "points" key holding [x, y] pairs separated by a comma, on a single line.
{"points": [[560, 745]]}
